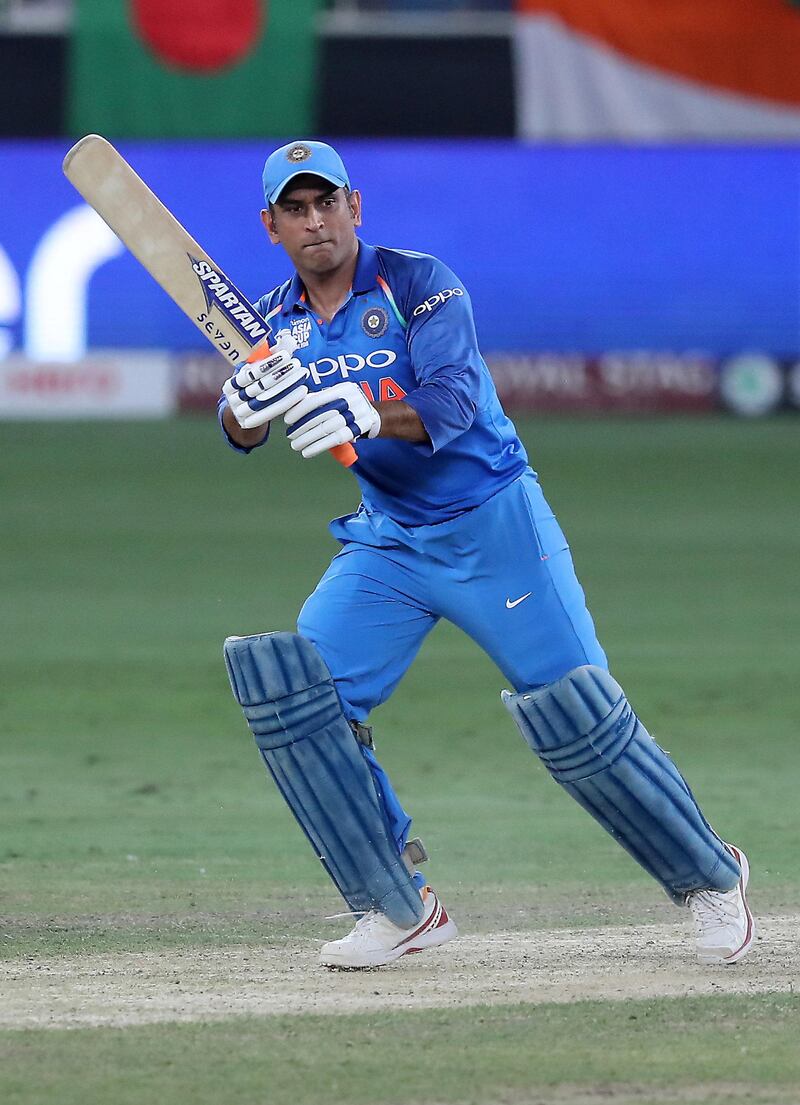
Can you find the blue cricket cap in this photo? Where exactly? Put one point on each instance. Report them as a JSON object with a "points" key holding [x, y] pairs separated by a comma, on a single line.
{"points": [[296, 158]]}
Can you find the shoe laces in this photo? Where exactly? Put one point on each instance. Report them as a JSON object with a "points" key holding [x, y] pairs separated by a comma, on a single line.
{"points": [[368, 921], [714, 908]]}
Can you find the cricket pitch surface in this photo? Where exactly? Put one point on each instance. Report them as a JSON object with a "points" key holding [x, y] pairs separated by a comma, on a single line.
{"points": [[612, 963]]}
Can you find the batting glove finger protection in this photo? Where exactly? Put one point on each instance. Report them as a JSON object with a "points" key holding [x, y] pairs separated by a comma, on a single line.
{"points": [[251, 373], [279, 356], [274, 390], [331, 417]]}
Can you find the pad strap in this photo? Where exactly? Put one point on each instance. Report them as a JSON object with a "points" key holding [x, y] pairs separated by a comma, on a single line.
{"points": [[413, 854], [363, 734]]}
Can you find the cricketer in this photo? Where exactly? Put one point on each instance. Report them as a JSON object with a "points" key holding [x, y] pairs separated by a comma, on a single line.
{"points": [[377, 347]]}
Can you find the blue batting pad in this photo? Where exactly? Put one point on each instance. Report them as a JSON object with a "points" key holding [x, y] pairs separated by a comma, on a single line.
{"points": [[592, 743], [294, 713]]}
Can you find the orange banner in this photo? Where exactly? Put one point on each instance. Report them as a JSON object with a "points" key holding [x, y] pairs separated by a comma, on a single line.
{"points": [[751, 47]]}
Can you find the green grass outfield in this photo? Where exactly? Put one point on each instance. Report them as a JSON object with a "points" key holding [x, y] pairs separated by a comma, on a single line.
{"points": [[135, 815]]}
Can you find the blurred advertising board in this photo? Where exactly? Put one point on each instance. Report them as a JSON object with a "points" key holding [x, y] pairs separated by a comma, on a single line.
{"points": [[101, 385], [577, 258], [748, 384], [632, 382], [641, 382], [149, 384], [586, 248]]}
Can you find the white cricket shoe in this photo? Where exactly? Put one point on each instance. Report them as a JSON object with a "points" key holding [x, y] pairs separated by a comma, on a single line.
{"points": [[724, 925], [376, 940]]}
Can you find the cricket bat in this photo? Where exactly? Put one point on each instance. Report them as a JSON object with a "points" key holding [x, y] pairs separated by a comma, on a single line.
{"points": [[172, 257]]}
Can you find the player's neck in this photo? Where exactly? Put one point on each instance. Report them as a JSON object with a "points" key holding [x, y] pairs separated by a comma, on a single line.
{"points": [[326, 292]]}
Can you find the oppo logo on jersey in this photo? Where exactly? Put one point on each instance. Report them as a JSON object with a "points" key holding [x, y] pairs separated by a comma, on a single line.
{"points": [[435, 300], [346, 363]]}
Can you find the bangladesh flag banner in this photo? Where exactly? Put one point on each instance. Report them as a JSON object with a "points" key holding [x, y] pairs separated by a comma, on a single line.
{"points": [[193, 68]]}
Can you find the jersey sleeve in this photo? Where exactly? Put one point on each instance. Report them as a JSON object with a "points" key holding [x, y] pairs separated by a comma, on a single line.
{"points": [[444, 353]]}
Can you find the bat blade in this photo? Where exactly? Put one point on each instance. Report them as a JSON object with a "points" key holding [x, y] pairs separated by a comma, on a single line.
{"points": [[170, 254], [164, 247]]}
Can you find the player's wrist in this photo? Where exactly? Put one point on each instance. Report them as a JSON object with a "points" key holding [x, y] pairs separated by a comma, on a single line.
{"points": [[241, 436], [400, 421]]}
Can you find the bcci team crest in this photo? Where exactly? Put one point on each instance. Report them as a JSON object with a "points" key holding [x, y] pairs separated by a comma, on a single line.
{"points": [[298, 153], [375, 322]]}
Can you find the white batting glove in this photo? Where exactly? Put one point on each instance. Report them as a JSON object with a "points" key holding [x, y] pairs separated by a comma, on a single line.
{"points": [[261, 391], [331, 417]]}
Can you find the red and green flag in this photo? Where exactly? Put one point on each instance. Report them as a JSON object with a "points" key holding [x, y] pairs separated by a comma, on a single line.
{"points": [[193, 68]]}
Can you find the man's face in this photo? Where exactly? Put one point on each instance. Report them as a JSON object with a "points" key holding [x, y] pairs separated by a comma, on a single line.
{"points": [[315, 224]]}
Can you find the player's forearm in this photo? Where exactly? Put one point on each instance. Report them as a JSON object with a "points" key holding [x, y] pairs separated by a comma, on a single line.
{"points": [[400, 421], [245, 438]]}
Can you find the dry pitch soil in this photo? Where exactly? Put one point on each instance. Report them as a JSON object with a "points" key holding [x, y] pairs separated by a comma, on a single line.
{"points": [[561, 965]]}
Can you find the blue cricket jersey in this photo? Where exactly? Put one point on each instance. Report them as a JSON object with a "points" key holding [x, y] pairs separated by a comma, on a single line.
{"points": [[406, 332]]}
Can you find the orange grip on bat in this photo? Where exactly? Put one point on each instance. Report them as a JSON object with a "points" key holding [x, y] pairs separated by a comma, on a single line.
{"points": [[345, 454]]}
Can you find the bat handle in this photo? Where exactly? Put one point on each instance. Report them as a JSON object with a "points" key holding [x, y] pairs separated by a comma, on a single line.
{"points": [[345, 454]]}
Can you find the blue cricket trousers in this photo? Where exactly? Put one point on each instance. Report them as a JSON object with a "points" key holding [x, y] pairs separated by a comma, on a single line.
{"points": [[502, 572]]}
